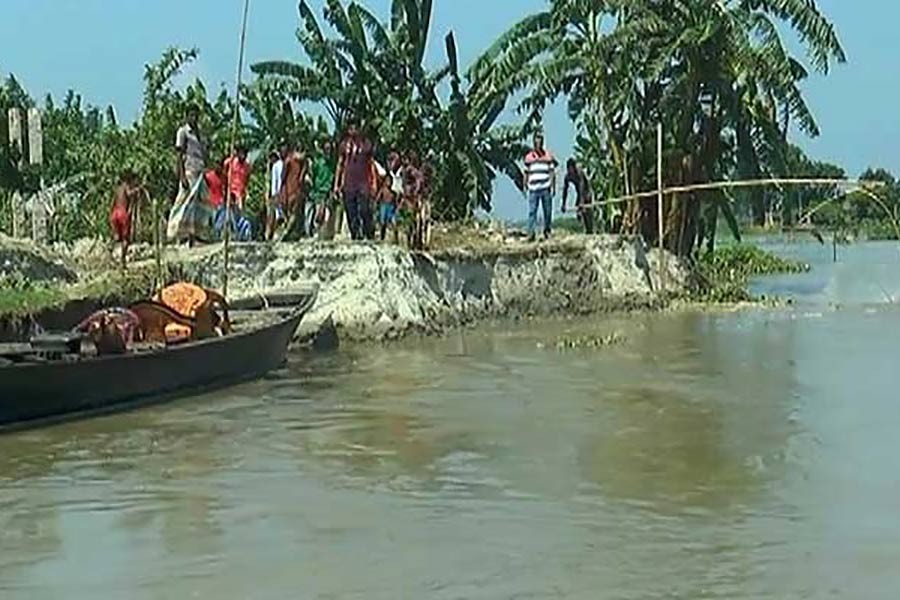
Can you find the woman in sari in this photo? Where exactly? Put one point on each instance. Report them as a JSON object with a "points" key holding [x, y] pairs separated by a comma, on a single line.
{"points": [[191, 217]]}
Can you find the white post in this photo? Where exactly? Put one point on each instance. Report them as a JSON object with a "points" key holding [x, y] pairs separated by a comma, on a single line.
{"points": [[35, 137], [15, 133], [660, 209], [16, 143], [39, 209]]}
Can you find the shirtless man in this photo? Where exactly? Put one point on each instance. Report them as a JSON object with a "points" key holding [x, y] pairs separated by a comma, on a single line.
{"points": [[126, 197], [413, 191], [576, 177], [296, 167]]}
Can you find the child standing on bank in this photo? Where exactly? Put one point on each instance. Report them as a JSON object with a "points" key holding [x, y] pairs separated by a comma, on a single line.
{"points": [[126, 197]]}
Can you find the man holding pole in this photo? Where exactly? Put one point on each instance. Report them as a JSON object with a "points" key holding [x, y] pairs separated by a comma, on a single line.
{"points": [[584, 197]]}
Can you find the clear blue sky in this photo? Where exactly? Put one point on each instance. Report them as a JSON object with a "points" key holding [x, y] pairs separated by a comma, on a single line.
{"points": [[99, 47]]}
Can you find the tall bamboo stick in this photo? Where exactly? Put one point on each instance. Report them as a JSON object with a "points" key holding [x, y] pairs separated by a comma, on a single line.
{"points": [[661, 226], [232, 144]]}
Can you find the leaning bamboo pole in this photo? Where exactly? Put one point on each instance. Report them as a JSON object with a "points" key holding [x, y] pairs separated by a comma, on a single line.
{"points": [[866, 190], [853, 184]]}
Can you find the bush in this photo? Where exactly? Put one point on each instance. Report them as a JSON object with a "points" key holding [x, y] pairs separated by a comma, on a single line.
{"points": [[725, 273], [19, 296]]}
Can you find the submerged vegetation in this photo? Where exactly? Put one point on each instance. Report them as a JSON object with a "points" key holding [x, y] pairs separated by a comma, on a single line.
{"points": [[725, 273]]}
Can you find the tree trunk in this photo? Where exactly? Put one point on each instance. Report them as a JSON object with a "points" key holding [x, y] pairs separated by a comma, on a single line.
{"points": [[683, 216]]}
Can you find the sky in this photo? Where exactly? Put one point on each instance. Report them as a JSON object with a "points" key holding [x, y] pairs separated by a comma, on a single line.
{"points": [[99, 48]]}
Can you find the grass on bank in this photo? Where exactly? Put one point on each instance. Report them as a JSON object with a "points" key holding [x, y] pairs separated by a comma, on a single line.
{"points": [[721, 277], [21, 298]]}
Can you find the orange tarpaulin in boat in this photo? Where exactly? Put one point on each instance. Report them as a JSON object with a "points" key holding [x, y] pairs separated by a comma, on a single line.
{"points": [[193, 303], [184, 298], [176, 333]]}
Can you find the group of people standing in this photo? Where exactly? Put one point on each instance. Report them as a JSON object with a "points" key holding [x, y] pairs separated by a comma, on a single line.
{"points": [[308, 193], [314, 194], [315, 197]]}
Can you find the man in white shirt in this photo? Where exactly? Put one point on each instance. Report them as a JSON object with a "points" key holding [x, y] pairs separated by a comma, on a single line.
{"points": [[191, 149], [191, 217], [274, 211]]}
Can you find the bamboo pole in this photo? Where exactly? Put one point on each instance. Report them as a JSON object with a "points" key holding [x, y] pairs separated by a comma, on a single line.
{"points": [[234, 130], [880, 202], [720, 185], [157, 241], [660, 210]]}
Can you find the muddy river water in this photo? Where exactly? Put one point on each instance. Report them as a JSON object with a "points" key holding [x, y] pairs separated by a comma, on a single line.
{"points": [[745, 454]]}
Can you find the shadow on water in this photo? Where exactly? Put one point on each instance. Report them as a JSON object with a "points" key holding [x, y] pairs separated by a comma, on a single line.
{"points": [[698, 419], [666, 453], [145, 473]]}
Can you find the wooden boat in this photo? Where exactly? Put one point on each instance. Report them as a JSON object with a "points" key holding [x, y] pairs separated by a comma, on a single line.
{"points": [[35, 389]]}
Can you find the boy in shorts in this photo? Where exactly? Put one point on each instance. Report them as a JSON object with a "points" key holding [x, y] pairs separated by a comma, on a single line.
{"points": [[125, 199]]}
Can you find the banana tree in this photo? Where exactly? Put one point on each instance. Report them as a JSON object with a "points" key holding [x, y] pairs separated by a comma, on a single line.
{"points": [[471, 150], [718, 76], [371, 70]]}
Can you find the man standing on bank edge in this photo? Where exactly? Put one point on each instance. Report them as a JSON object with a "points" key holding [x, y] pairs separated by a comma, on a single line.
{"points": [[540, 180]]}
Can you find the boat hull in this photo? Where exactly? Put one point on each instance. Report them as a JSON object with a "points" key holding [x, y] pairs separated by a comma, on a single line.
{"points": [[35, 393]]}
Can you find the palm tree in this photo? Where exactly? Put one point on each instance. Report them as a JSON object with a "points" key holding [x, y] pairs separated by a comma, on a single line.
{"points": [[717, 75]]}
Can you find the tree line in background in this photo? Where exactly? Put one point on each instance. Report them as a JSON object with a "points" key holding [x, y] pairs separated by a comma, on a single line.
{"points": [[719, 77]]}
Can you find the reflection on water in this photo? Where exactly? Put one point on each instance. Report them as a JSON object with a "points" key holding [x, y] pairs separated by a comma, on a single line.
{"points": [[744, 455]]}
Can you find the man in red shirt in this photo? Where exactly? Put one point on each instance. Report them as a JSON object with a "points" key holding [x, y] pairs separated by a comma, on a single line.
{"points": [[216, 184], [296, 167], [237, 168], [351, 181]]}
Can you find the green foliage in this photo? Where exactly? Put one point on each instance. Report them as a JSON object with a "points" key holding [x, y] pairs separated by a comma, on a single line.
{"points": [[721, 80], [858, 213], [86, 149], [20, 297], [751, 261], [726, 272], [375, 71]]}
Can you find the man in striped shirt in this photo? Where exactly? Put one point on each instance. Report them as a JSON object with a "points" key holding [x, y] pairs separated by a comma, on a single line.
{"points": [[540, 179]]}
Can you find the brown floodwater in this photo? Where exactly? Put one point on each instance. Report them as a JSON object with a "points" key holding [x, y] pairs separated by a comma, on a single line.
{"points": [[723, 455]]}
